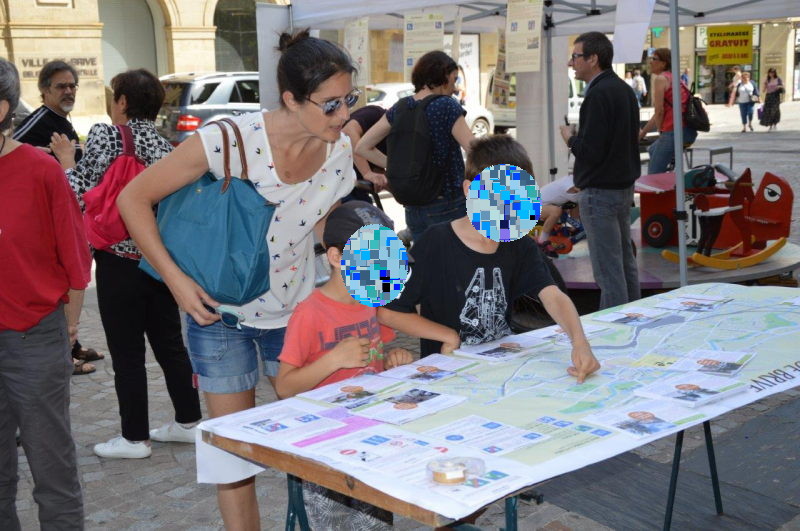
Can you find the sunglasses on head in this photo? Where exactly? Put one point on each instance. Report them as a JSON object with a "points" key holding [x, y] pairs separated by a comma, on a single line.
{"points": [[331, 106]]}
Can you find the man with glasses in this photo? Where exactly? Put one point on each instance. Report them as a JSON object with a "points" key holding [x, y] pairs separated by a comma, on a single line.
{"points": [[606, 150], [58, 85]]}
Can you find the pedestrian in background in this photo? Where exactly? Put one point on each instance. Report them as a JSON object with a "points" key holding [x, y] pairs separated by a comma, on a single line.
{"points": [[662, 151], [629, 79], [133, 304], [639, 87], [46, 266], [773, 90], [745, 94], [606, 150]]}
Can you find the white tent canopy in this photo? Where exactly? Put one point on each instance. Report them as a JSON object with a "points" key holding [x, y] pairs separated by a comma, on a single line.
{"points": [[570, 17], [538, 96]]}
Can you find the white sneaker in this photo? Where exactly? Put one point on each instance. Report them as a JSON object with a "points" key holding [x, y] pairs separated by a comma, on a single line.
{"points": [[122, 448], [173, 432]]}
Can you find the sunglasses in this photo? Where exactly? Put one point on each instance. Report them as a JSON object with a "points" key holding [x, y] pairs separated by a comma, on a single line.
{"points": [[227, 316], [331, 106]]}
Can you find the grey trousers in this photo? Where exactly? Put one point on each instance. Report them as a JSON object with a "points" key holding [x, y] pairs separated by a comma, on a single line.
{"points": [[606, 216], [35, 371]]}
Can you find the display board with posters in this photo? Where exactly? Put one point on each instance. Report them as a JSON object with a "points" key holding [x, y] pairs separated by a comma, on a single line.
{"points": [[501, 84], [523, 35], [356, 41], [729, 45], [422, 33]]}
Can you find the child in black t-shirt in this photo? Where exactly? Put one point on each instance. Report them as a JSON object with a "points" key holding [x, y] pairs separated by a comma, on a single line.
{"points": [[465, 283]]}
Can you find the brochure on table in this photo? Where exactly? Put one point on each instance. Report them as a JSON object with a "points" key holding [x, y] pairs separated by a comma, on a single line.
{"points": [[692, 389], [579, 424], [433, 368]]}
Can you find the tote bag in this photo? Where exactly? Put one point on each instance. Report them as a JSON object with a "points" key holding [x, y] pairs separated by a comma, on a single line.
{"points": [[216, 231]]}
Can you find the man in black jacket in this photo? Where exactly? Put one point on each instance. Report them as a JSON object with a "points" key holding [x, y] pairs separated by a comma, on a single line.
{"points": [[58, 85], [606, 153]]}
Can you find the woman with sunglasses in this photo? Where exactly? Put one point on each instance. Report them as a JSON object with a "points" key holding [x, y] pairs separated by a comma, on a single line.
{"points": [[662, 151], [299, 159], [773, 89]]}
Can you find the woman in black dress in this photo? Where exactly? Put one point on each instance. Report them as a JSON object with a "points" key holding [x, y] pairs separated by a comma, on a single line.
{"points": [[773, 90]]}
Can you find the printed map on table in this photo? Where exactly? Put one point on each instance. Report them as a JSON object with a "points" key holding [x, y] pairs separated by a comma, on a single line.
{"points": [[580, 423], [535, 393]]}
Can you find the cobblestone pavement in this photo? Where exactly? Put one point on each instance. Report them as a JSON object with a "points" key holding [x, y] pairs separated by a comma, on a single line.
{"points": [[161, 492]]}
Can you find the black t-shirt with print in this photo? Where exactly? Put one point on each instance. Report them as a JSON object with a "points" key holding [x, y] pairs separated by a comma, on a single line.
{"points": [[469, 291]]}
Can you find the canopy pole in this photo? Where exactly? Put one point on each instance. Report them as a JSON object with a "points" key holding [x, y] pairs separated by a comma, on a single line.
{"points": [[551, 146], [677, 119]]}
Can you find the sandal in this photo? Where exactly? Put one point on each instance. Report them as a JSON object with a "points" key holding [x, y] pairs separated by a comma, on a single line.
{"points": [[88, 354], [82, 367]]}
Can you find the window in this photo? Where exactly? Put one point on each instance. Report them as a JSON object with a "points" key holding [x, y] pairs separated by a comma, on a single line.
{"points": [[248, 91], [201, 93], [374, 96]]}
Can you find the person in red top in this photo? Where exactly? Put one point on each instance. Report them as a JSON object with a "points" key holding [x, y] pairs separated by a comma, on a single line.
{"points": [[331, 337], [44, 269], [662, 151]]}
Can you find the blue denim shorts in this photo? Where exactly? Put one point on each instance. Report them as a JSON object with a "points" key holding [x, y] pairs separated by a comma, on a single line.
{"points": [[419, 218], [225, 359]]}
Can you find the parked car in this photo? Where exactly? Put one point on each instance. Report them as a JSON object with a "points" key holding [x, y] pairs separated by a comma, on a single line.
{"points": [[194, 99], [20, 113], [479, 119]]}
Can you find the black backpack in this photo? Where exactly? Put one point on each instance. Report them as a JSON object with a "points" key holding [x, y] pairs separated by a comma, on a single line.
{"points": [[413, 178], [695, 115]]}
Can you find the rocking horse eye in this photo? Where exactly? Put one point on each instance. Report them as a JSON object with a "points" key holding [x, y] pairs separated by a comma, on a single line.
{"points": [[772, 192]]}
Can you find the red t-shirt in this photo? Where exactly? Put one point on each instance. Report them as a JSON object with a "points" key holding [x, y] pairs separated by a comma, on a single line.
{"points": [[319, 323], [43, 247]]}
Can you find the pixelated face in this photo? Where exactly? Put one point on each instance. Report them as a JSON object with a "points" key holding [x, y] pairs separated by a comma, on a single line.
{"points": [[374, 265], [504, 203]]}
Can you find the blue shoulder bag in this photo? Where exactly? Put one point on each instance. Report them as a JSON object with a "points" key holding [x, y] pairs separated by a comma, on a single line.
{"points": [[216, 231]]}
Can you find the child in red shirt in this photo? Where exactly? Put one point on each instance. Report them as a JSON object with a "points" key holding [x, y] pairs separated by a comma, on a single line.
{"points": [[331, 337]]}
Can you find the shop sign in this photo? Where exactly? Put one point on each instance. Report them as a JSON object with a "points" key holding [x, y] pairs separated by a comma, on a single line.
{"points": [[729, 45]]}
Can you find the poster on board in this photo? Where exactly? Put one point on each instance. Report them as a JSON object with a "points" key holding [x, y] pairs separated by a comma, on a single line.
{"points": [[356, 42], [501, 84], [523, 35], [422, 33]]}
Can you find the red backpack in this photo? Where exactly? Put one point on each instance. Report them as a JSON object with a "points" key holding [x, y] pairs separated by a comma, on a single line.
{"points": [[104, 225]]}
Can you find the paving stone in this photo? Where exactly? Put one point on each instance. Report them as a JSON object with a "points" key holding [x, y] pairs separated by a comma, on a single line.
{"points": [[93, 476], [102, 516]]}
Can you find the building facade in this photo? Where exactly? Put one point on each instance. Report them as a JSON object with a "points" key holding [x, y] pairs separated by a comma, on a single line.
{"points": [[104, 37]]}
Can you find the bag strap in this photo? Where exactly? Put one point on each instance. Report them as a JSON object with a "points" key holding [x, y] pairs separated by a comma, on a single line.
{"points": [[226, 156], [239, 144], [128, 147]]}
